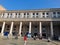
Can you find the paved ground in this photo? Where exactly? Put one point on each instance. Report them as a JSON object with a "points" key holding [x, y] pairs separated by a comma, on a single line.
{"points": [[29, 42]]}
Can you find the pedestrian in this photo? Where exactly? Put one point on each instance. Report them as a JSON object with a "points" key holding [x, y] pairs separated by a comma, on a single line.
{"points": [[29, 35], [49, 39], [25, 40]]}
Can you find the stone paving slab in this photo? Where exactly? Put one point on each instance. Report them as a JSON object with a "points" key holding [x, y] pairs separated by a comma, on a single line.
{"points": [[29, 42]]}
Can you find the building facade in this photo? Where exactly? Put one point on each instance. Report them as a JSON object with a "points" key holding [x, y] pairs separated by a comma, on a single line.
{"points": [[45, 22]]}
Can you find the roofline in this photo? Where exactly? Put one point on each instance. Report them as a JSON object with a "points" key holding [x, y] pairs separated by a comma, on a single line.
{"points": [[32, 10]]}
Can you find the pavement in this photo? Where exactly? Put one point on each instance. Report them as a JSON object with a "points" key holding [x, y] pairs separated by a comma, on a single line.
{"points": [[30, 41]]}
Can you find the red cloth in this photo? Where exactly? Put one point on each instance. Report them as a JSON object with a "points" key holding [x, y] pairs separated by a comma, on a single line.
{"points": [[25, 38]]}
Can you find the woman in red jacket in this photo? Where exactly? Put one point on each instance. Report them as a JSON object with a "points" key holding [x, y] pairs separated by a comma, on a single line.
{"points": [[25, 40]]}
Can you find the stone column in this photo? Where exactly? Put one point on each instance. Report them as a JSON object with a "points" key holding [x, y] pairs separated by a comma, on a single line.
{"points": [[40, 29], [20, 28], [11, 28], [3, 26], [51, 23], [30, 27]]}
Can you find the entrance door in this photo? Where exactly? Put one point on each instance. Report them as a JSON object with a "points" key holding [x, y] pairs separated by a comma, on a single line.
{"points": [[34, 31], [44, 32], [0, 29]]}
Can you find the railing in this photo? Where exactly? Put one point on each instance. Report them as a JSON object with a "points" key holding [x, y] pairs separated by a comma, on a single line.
{"points": [[24, 17]]}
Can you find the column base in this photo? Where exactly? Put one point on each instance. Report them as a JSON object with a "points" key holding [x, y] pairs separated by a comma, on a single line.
{"points": [[19, 35], [10, 36], [41, 36], [1, 36]]}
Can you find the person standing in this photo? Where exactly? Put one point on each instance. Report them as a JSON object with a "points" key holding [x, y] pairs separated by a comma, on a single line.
{"points": [[25, 40]]}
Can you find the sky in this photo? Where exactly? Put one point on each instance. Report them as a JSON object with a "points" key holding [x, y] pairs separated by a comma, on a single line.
{"points": [[29, 4]]}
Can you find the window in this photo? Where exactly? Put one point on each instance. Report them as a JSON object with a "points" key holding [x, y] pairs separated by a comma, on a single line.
{"points": [[43, 13], [8, 26], [27, 26], [58, 12], [37, 16], [28, 16], [33, 13], [15, 26], [18, 13], [35, 26], [22, 26], [14, 29], [54, 16], [43, 16], [33, 16], [58, 16], [36, 13], [24, 13], [8, 13], [2, 15], [54, 12], [7, 29], [11, 13], [47, 16], [27, 13], [47, 13]]}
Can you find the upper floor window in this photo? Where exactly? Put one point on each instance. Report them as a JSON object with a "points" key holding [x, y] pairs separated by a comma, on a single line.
{"points": [[54, 12], [36, 13], [27, 13], [8, 13], [33, 13], [24, 13], [18, 13], [43, 16], [37, 16], [58, 12], [47, 16], [27, 26], [35, 26], [33, 16], [43, 13], [47, 13], [11, 13], [3, 14]]}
